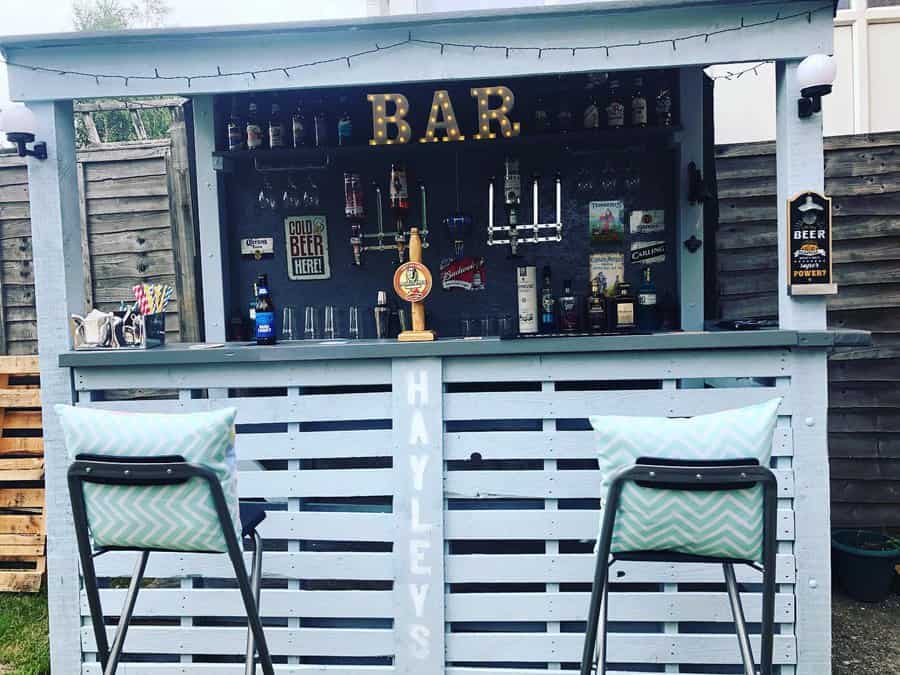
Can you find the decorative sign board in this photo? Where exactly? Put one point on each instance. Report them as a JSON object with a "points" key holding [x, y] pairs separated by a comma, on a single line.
{"points": [[809, 245], [306, 238], [258, 246]]}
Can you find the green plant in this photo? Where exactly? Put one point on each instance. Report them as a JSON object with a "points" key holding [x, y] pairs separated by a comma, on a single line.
{"points": [[24, 633]]}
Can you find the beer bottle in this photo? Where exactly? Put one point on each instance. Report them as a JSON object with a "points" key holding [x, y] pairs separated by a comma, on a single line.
{"points": [[235, 129], [254, 130], [265, 313], [276, 126]]}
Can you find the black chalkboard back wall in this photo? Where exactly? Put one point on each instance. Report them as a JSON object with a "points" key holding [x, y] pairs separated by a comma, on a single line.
{"points": [[456, 176]]}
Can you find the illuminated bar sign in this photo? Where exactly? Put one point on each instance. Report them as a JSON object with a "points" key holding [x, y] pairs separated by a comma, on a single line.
{"points": [[809, 245], [492, 108]]}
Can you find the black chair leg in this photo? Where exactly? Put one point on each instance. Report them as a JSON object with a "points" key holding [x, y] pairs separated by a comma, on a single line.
{"points": [[740, 624], [115, 652], [255, 584], [88, 573], [770, 549], [599, 592], [240, 572]]}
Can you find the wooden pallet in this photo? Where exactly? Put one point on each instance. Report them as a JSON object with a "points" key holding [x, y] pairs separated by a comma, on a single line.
{"points": [[23, 530]]}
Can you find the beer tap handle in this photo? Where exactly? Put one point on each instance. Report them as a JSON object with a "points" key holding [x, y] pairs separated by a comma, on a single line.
{"points": [[378, 214], [558, 199], [491, 209], [423, 226]]}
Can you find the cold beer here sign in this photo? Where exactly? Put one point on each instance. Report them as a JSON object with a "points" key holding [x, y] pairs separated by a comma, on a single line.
{"points": [[306, 238]]}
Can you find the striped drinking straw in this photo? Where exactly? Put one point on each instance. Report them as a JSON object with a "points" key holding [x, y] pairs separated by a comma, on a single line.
{"points": [[141, 297]]}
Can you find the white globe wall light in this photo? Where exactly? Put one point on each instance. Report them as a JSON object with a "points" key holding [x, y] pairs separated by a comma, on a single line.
{"points": [[19, 124], [816, 75]]}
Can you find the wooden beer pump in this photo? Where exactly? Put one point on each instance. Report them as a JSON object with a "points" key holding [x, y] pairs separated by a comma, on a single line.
{"points": [[412, 282]]}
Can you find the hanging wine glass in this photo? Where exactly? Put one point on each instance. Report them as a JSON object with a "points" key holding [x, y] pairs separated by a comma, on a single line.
{"points": [[293, 196], [268, 198], [608, 179], [310, 194], [633, 181]]}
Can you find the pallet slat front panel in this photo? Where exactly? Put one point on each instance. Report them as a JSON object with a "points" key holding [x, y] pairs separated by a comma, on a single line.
{"points": [[350, 587]]}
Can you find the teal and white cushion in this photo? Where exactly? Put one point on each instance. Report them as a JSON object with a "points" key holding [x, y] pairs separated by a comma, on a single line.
{"points": [[709, 523], [172, 517]]}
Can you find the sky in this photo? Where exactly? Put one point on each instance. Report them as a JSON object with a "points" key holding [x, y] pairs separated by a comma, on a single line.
{"points": [[53, 16]]}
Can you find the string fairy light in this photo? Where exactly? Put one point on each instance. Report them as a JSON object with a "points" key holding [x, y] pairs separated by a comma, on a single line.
{"points": [[736, 75], [538, 51]]}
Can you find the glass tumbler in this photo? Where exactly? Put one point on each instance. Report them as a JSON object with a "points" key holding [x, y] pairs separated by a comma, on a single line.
{"points": [[330, 333], [310, 324], [353, 322], [289, 323]]}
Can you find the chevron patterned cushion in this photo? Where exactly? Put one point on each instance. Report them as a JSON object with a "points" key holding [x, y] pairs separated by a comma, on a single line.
{"points": [[709, 523], [170, 517]]}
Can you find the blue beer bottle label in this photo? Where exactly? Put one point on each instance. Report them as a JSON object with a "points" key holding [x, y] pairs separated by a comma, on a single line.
{"points": [[265, 324]]}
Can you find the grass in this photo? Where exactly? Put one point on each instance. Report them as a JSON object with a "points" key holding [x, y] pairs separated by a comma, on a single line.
{"points": [[24, 641]]}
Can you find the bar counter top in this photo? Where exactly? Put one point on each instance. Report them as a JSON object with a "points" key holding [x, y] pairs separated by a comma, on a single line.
{"points": [[319, 350]]}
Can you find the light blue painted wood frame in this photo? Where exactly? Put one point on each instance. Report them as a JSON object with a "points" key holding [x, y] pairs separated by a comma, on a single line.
{"points": [[55, 211]]}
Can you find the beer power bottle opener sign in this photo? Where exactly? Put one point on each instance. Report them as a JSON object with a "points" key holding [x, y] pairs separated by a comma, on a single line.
{"points": [[809, 245]]}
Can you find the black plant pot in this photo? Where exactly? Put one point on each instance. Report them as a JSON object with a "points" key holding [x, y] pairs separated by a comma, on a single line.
{"points": [[863, 568]]}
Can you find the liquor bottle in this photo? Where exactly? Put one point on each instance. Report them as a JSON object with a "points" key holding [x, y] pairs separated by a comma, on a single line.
{"points": [[564, 117], [399, 202], [512, 198], [254, 130], [541, 119], [276, 126], [265, 313], [664, 117], [526, 287], [568, 310], [548, 303], [298, 127], [648, 311], [622, 309], [592, 114], [638, 104], [596, 310], [320, 126], [382, 316], [354, 207], [615, 108], [235, 128], [345, 125]]}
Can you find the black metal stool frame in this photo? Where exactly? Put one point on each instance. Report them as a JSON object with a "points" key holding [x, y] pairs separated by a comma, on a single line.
{"points": [[171, 470], [688, 475]]}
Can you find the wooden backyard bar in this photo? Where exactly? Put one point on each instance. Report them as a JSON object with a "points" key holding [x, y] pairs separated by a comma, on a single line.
{"points": [[434, 505]]}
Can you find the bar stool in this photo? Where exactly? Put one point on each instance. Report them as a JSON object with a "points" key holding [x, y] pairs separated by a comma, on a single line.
{"points": [[158, 471], [688, 476], [160, 482]]}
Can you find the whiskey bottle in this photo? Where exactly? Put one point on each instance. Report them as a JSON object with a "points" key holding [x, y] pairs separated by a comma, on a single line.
{"points": [[254, 130], [541, 119], [615, 107], [298, 127], [623, 317], [648, 312], [526, 288], [345, 125], [638, 104], [276, 126], [596, 311], [399, 201], [568, 310], [265, 313], [548, 304], [235, 128], [664, 113], [592, 114]]}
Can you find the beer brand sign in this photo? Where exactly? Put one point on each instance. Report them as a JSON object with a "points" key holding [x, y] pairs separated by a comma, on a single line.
{"points": [[306, 238], [809, 245]]}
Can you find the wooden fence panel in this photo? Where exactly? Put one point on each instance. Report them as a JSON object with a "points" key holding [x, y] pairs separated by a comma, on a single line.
{"points": [[863, 178], [129, 229]]}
